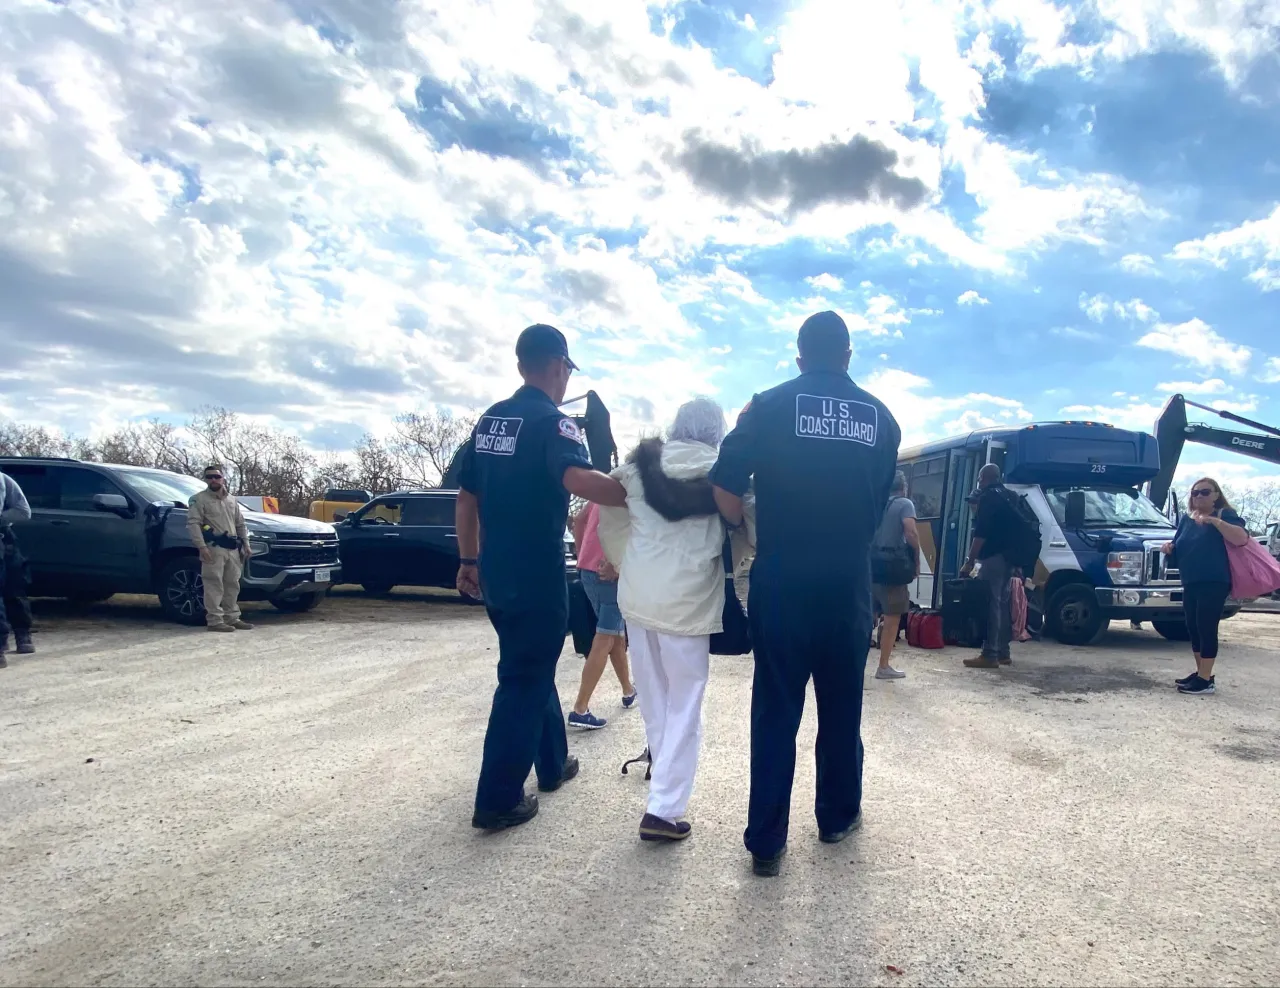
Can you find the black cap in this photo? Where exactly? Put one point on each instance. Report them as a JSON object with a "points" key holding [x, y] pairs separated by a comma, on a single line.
{"points": [[540, 341], [823, 336]]}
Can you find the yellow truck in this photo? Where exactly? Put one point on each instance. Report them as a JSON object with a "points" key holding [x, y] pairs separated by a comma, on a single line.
{"points": [[337, 501]]}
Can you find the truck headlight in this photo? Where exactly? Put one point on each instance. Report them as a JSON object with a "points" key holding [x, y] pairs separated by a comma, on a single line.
{"points": [[1125, 567], [257, 548]]}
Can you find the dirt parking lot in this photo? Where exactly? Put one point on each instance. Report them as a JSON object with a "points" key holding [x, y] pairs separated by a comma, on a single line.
{"points": [[292, 806]]}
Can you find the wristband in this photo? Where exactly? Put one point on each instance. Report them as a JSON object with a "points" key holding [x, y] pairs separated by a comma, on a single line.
{"points": [[467, 562]]}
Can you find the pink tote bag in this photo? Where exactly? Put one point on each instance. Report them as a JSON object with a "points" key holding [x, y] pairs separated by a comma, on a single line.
{"points": [[1254, 573]]}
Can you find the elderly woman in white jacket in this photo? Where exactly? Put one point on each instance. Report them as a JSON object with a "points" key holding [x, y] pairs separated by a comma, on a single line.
{"points": [[667, 545]]}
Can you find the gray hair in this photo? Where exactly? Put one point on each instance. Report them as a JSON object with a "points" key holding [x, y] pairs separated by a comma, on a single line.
{"points": [[699, 421], [899, 483]]}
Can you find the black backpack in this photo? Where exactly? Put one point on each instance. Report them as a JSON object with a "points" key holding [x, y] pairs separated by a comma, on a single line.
{"points": [[1022, 541]]}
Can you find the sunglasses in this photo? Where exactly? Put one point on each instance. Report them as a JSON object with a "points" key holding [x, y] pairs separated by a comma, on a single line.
{"points": [[213, 476], [1203, 492]]}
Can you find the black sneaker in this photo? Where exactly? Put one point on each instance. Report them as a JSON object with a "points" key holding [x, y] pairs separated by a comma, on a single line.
{"points": [[570, 770], [836, 836], [522, 812], [767, 867], [655, 828], [23, 640], [1186, 679], [1197, 687]]}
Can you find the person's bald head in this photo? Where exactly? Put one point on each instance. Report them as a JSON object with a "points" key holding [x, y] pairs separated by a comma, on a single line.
{"points": [[989, 475], [823, 343]]}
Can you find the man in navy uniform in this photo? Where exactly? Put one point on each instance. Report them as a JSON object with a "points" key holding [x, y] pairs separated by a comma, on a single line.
{"points": [[822, 453], [524, 461]]}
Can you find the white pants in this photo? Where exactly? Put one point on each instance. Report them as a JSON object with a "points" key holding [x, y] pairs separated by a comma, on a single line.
{"points": [[670, 672]]}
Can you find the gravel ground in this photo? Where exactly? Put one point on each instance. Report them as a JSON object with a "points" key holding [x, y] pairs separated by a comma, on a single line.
{"points": [[292, 806]]}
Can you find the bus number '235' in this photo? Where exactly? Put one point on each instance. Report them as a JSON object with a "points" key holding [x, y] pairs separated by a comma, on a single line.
{"points": [[1099, 468]]}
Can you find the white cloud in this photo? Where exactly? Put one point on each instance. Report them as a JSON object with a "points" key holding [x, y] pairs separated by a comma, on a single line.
{"points": [[1198, 343], [1098, 307], [1138, 264], [1137, 415], [923, 415], [1076, 333], [826, 282], [1213, 386], [1271, 371], [1256, 241], [972, 298]]}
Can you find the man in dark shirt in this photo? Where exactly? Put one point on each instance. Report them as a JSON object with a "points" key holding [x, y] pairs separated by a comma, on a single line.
{"points": [[524, 460], [991, 529], [822, 454]]}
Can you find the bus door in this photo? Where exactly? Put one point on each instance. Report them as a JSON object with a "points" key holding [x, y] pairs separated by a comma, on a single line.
{"points": [[957, 521]]}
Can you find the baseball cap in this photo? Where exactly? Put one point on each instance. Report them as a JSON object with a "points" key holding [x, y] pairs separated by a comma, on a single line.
{"points": [[823, 334], [540, 341]]}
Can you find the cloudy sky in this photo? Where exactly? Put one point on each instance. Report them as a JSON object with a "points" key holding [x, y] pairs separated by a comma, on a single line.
{"points": [[324, 212]]}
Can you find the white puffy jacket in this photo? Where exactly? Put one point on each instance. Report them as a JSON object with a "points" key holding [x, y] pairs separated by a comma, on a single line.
{"points": [[670, 574]]}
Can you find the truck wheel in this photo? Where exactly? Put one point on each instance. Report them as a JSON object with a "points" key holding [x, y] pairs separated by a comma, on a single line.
{"points": [[1075, 617], [299, 604], [377, 589], [1173, 629], [181, 591]]}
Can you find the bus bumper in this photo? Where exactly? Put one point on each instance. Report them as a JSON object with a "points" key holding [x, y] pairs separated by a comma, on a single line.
{"points": [[1140, 598]]}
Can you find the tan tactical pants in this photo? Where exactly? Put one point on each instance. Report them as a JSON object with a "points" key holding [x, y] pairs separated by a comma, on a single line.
{"points": [[222, 586]]}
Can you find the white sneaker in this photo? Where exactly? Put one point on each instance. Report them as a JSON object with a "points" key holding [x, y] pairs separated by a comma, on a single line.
{"points": [[889, 672]]}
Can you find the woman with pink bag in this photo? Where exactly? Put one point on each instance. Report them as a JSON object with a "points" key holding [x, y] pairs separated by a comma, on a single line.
{"points": [[1199, 551]]}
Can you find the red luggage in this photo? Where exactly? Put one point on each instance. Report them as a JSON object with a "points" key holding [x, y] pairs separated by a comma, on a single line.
{"points": [[924, 629]]}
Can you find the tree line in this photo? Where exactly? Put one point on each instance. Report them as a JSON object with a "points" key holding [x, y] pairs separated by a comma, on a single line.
{"points": [[260, 460], [415, 454]]}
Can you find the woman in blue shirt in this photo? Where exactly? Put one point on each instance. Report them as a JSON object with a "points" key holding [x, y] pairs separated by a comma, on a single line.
{"points": [[1199, 550]]}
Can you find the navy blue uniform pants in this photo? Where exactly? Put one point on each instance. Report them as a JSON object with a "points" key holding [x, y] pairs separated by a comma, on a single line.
{"points": [[15, 609], [526, 725], [823, 632]]}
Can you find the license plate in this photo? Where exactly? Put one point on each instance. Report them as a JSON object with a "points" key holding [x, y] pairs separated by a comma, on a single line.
{"points": [[322, 575]]}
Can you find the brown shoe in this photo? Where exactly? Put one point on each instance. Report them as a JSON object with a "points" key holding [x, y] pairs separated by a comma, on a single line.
{"points": [[221, 627], [981, 662], [242, 625], [1006, 661]]}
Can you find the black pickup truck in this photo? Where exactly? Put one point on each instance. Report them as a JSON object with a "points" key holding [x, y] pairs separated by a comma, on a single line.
{"points": [[101, 529]]}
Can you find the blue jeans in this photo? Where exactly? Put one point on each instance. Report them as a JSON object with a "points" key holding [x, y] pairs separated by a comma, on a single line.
{"points": [[603, 595]]}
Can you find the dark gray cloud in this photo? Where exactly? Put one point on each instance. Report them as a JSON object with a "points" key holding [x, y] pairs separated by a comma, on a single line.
{"points": [[589, 288], [856, 170], [296, 92]]}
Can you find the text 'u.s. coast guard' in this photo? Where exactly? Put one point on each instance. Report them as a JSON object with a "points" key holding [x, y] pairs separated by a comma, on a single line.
{"points": [[818, 417]]}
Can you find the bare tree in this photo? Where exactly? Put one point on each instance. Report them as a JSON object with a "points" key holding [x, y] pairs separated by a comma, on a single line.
{"points": [[257, 460], [377, 468], [31, 440], [425, 442], [1258, 505]]}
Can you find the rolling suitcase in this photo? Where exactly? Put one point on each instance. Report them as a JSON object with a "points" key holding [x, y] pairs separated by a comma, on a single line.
{"points": [[964, 611]]}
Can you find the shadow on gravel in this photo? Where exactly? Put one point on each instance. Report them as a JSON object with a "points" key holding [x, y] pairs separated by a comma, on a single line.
{"points": [[1063, 681], [1263, 746]]}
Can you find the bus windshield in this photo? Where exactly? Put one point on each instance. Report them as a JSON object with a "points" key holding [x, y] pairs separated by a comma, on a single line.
{"points": [[1109, 507]]}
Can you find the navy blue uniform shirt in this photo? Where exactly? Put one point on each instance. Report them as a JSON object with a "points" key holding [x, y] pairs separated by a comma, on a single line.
{"points": [[823, 454], [1200, 552], [515, 467]]}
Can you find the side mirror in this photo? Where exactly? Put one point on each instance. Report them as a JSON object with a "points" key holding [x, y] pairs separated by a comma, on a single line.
{"points": [[1075, 509], [116, 504]]}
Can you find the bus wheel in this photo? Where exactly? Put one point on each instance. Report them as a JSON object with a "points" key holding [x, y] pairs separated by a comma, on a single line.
{"points": [[1074, 616]]}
